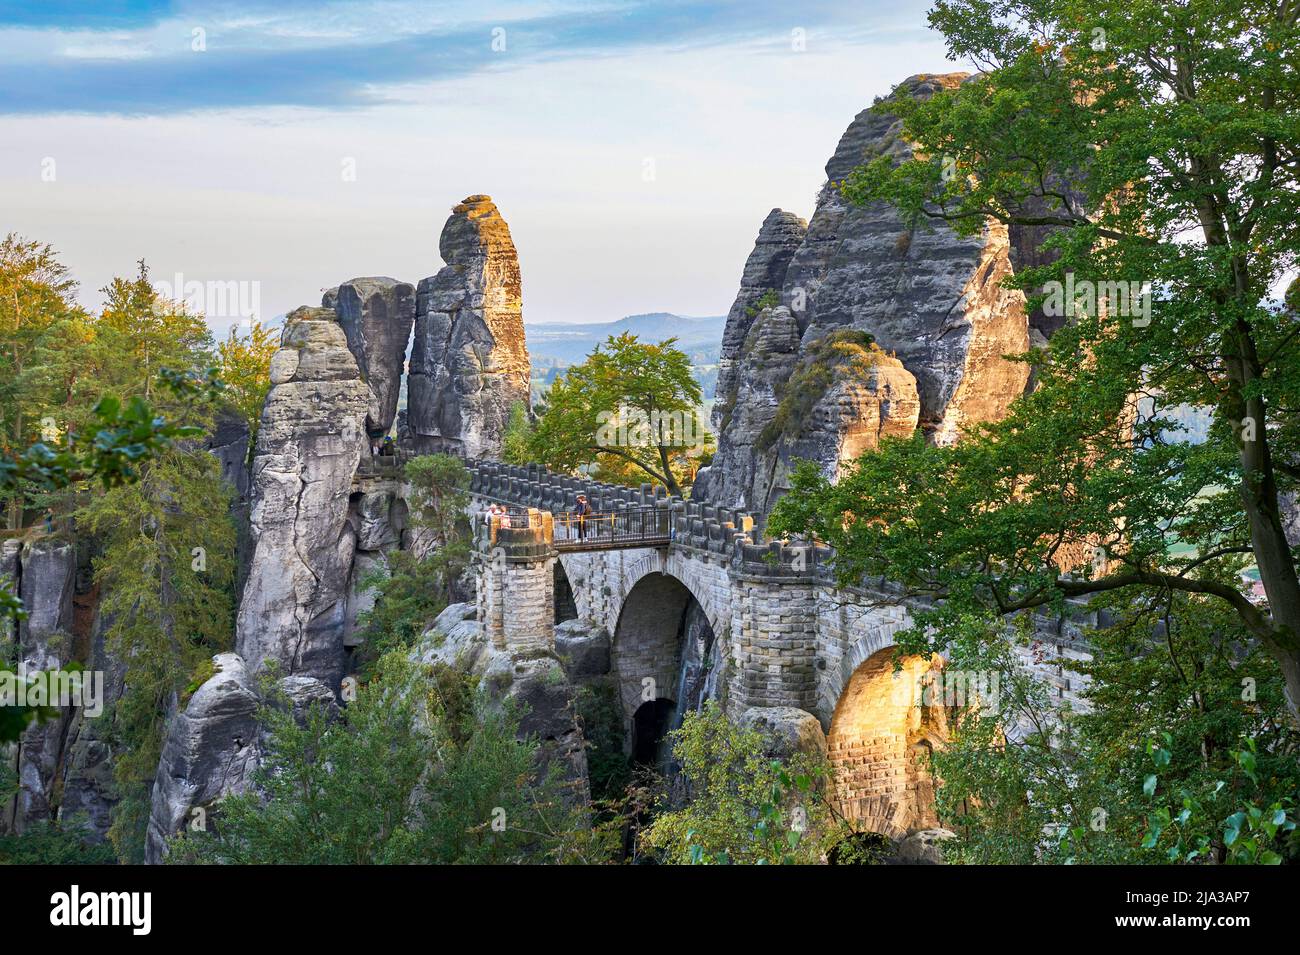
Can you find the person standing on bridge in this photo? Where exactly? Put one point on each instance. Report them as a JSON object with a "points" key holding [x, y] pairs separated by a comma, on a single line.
{"points": [[581, 511]]}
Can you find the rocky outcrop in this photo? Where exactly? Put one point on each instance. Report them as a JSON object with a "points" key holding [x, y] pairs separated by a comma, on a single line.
{"points": [[377, 315], [583, 649], [786, 731], [228, 443], [536, 683], [469, 363], [930, 300], [743, 469], [45, 571], [778, 239], [48, 578], [89, 790], [311, 438], [923, 847], [210, 750], [214, 745]]}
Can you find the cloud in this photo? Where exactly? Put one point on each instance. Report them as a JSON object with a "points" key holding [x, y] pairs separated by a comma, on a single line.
{"points": [[342, 56]]}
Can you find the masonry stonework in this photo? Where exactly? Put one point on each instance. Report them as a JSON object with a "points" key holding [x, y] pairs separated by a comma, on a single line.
{"points": [[791, 637]]}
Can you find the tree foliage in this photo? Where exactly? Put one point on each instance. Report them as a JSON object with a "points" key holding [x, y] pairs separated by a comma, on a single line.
{"points": [[633, 407], [419, 769], [1155, 143], [1027, 778], [742, 807], [245, 367]]}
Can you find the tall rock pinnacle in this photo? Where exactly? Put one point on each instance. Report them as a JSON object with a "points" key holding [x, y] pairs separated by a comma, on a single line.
{"points": [[469, 363], [308, 447]]}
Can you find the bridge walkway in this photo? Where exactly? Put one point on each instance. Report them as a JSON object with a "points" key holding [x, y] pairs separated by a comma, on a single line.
{"points": [[627, 528]]}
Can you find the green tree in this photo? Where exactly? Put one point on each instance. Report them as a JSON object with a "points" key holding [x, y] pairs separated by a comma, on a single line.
{"points": [[1156, 143], [516, 443], [634, 403], [439, 503], [245, 367], [1027, 779], [419, 768], [36, 295], [413, 586], [167, 569], [405, 603], [128, 437], [742, 807]]}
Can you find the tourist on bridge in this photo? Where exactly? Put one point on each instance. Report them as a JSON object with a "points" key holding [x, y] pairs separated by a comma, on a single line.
{"points": [[581, 511]]}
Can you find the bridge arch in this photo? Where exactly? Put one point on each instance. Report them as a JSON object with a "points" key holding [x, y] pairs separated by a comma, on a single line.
{"points": [[662, 652], [884, 727]]}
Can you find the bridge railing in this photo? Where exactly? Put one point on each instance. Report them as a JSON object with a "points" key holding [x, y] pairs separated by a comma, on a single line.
{"points": [[629, 527]]}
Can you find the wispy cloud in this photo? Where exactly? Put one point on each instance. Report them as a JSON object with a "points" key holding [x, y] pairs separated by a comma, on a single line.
{"points": [[153, 58]]}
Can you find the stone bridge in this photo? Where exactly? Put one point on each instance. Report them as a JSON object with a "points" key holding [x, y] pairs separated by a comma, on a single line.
{"points": [[712, 611]]}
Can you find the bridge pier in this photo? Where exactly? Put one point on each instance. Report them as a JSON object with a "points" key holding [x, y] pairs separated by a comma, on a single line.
{"points": [[516, 592], [774, 628]]}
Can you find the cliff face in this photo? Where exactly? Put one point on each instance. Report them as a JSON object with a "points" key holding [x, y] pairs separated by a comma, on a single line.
{"points": [[469, 363], [778, 239], [311, 439], [928, 298]]}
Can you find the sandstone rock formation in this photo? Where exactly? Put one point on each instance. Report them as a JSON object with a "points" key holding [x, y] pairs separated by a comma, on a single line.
{"points": [[214, 745], [469, 363], [45, 573], [311, 439], [377, 315], [786, 730], [778, 239], [929, 298], [537, 682]]}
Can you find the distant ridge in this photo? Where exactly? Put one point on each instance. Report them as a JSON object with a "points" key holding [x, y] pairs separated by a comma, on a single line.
{"points": [[565, 343]]}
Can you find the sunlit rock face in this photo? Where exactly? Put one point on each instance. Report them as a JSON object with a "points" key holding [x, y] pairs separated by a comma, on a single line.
{"points": [[311, 438], [930, 299], [469, 363], [376, 315]]}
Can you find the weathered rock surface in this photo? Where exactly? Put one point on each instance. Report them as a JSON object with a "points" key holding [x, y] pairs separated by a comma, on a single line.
{"points": [[228, 443], [377, 315], [924, 847], [583, 648], [469, 363], [535, 682], [45, 571], [210, 750], [89, 790], [927, 296], [311, 438], [778, 239], [742, 470], [786, 730], [215, 744], [48, 577]]}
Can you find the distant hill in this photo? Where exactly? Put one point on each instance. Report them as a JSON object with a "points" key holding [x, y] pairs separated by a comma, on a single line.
{"points": [[554, 346], [558, 344]]}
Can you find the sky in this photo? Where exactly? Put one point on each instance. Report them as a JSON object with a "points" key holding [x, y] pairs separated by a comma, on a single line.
{"points": [[285, 146]]}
